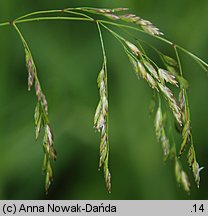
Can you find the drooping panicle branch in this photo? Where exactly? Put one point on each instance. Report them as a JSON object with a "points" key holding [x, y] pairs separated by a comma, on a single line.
{"points": [[101, 117], [186, 132], [41, 113]]}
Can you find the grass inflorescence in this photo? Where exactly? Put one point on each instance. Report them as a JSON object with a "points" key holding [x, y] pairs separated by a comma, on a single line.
{"points": [[172, 108]]}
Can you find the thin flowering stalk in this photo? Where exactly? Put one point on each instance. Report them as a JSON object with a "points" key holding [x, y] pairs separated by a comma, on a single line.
{"points": [[51, 12], [37, 13]]}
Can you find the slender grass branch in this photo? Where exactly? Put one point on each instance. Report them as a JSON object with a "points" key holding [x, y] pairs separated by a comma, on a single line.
{"points": [[199, 60], [37, 13], [47, 19]]}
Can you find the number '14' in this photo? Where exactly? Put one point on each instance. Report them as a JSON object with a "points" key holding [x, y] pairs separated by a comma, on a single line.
{"points": [[198, 208]]}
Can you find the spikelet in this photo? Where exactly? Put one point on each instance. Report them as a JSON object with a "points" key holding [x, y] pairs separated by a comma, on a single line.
{"points": [[170, 61], [134, 49], [101, 125], [165, 144], [134, 65], [181, 176], [172, 102], [49, 176], [141, 71], [107, 178], [151, 69], [41, 121], [145, 24], [150, 80], [193, 164], [184, 108], [185, 181], [38, 120], [50, 154], [104, 11], [30, 68], [186, 135], [178, 171], [119, 9], [182, 100], [160, 133], [111, 16], [158, 123], [167, 77]]}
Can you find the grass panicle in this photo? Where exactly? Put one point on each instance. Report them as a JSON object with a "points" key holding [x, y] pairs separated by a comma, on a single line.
{"points": [[163, 80]]}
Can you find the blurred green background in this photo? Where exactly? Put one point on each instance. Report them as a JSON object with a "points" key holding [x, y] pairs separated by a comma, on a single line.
{"points": [[68, 58]]}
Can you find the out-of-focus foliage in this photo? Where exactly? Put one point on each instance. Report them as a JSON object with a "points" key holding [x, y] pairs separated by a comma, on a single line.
{"points": [[68, 57]]}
